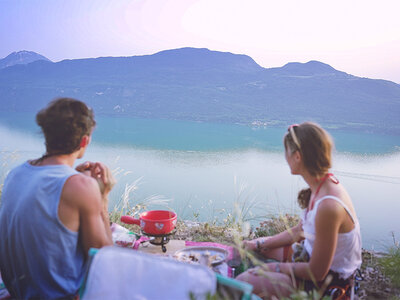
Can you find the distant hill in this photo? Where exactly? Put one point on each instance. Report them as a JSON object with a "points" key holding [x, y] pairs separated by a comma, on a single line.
{"points": [[203, 85], [308, 69], [20, 57]]}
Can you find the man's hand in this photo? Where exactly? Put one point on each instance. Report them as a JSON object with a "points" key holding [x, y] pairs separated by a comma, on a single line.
{"points": [[101, 173]]}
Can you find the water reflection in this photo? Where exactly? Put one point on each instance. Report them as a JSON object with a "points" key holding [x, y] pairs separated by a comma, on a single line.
{"points": [[208, 183]]}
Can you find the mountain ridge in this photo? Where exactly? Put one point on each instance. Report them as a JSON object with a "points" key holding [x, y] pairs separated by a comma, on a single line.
{"points": [[21, 57], [204, 85]]}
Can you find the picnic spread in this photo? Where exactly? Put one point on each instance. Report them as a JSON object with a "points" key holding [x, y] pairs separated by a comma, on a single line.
{"points": [[152, 264], [157, 227], [159, 267]]}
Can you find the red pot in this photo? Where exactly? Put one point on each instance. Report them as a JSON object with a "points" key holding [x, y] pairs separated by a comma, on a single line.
{"points": [[154, 222]]}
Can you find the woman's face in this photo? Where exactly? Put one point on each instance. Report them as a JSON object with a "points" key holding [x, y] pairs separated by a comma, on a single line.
{"points": [[294, 160]]}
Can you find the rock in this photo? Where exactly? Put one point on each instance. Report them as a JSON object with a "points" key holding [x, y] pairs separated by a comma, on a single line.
{"points": [[191, 224], [369, 270]]}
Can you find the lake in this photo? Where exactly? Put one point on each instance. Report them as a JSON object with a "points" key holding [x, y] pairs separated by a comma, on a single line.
{"points": [[203, 169]]}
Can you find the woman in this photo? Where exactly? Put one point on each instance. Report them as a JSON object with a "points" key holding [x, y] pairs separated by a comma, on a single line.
{"points": [[329, 226]]}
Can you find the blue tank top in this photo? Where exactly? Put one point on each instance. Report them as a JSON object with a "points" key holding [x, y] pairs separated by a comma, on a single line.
{"points": [[39, 256]]}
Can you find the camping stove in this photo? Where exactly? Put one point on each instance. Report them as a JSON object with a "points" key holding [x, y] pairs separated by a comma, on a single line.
{"points": [[159, 239]]}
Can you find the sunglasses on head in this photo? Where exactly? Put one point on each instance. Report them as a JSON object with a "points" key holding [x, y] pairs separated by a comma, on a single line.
{"points": [[293, 135]]}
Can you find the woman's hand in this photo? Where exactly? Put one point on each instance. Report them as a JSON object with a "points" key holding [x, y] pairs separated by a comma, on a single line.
{"points": [[257, 245], [271, 267], [262, 269], [250, 245]]}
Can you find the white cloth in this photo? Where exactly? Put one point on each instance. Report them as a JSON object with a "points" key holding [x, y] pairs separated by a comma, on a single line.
{"points": [[121, 273], [347, 257]]}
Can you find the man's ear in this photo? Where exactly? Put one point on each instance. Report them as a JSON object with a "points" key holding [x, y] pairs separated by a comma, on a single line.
{"points": [[84, 141]]}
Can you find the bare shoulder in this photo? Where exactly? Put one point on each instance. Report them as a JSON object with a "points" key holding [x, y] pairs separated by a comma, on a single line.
{"points": [[333, 213], [330, 207], [82, 191], [338, 191]]}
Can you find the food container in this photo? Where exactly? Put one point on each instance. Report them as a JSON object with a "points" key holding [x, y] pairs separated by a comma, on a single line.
{"points": [[210, 256]]}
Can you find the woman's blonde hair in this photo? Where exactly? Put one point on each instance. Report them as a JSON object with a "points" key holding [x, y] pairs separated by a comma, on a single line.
{"points": [[315, 146]]}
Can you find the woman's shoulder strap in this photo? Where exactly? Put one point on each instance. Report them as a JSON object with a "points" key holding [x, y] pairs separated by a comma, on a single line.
{"points": [[339, 201]]}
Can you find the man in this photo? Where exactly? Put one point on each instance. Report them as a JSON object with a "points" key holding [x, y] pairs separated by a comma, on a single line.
{"points": [[52, 214]]}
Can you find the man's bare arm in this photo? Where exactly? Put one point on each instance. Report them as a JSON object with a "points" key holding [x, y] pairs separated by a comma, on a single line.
{"points": [[94, 227], [105, 180]]}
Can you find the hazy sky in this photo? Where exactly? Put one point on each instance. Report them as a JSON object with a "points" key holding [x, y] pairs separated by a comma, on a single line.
{"points": [[360, 37]]}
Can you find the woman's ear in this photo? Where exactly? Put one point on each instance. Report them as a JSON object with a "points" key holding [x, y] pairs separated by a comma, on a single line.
{"points": [[297, 156]]}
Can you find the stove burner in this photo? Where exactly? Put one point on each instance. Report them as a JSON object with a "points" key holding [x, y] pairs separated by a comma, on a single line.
{"points": [[159, 240]]}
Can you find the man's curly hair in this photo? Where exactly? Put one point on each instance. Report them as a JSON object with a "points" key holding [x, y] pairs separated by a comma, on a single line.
{"points": [[64, 122]]}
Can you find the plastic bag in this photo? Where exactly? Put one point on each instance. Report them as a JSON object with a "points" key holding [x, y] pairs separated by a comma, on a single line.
{"points": [[122, 237]]}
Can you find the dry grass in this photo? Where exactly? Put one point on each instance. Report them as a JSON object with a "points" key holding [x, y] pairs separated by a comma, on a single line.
{"points": [[390, 263], [276, 224]]}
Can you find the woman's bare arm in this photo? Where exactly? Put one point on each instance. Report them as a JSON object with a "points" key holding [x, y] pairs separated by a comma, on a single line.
{"points": [[328, 220], [285, 238]]}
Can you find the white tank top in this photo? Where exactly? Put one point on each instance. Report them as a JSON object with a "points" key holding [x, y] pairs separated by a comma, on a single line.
{"points": [[347, 257]]}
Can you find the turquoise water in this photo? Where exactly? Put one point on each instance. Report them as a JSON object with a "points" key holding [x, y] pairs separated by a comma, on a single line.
{"points": [[203, 169], [196, 136], [186, 135]]}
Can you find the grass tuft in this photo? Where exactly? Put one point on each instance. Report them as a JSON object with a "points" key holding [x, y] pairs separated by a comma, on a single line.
{"points": [[390, 263], [276, 224], [130, 205]]}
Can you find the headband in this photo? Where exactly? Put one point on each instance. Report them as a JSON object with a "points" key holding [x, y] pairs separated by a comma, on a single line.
{"points": [[293, 135]]}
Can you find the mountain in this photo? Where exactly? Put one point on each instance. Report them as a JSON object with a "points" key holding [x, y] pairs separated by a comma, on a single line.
{"points": [[203, 85], [201, 59], [20, 57], [308, 69]]}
